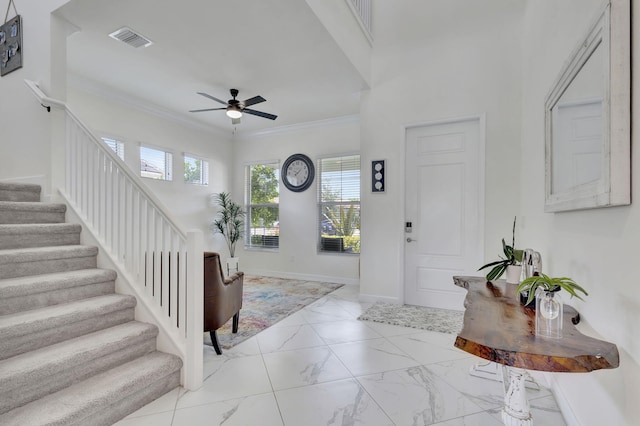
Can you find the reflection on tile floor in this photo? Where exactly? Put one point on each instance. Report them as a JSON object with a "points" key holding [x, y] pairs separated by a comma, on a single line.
{"points": [[321, 366]]}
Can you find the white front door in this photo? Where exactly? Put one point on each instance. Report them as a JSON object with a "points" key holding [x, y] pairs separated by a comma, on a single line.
{"points": [[444, 202]]}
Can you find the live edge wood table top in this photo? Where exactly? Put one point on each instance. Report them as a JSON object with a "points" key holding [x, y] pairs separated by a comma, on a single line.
{"points": [[499, 328]]}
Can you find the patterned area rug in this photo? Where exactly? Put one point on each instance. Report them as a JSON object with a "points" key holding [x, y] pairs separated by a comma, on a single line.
{"points": [[268, 300], [442, 320]]}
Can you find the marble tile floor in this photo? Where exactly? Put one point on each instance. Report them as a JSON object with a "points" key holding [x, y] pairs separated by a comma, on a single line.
{"points": [[321, 366]]}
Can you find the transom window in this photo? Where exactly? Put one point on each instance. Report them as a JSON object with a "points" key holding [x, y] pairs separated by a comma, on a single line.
{"points": [[196, 170], [116, 145], [155, 163], [262, 192], [339, 204]]}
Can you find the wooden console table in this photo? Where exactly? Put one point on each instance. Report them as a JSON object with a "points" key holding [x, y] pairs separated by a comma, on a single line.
{"points": [[497, 327]]}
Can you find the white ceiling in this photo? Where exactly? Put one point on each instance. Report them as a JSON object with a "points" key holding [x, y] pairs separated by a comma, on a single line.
{"points": [[274, 48]]}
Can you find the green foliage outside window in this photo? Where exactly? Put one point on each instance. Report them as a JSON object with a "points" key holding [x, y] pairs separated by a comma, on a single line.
{"points": [[264, 190], [193, 171]]}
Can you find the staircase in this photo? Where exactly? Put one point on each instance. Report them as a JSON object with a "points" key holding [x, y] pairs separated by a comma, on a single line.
{"points": [[71, 352]]}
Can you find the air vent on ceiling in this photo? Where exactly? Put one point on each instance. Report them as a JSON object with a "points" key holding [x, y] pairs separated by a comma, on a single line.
{"points": [[132, 38]]}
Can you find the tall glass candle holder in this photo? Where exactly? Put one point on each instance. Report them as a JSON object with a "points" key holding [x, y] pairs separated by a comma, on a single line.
{"points": [[549, 312]]}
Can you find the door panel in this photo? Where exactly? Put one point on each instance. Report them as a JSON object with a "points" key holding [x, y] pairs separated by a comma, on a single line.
{"points": [[443, 200]]}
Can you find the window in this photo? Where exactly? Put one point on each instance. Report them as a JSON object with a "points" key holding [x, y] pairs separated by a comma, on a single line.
{"points": [[155, 163], [196, 170], [339, 206], [262, 195], [116, 146]]}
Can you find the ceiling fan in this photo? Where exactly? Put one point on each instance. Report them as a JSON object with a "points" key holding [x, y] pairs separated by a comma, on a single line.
{"points": [[236, 108]]}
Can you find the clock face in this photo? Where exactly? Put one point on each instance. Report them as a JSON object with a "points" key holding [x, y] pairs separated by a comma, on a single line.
{"points": [[297, 172]]}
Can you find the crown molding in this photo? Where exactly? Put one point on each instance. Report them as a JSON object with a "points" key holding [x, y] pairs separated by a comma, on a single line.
{"points": [[355, 118], [93, 87]]}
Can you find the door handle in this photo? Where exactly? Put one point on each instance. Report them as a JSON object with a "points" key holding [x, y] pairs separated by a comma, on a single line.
{"points": [[410, 240]]}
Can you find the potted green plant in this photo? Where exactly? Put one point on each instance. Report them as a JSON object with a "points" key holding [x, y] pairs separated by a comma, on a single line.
{"points": [[548, 303], [509, 263], [548, 284], [229, 222]]}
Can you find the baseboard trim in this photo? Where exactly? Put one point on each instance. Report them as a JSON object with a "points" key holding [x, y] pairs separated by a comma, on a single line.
{"points": [[372, 298]]}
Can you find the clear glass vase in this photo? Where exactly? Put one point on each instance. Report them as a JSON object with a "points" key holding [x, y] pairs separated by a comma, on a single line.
{"points": [[549, 312]]}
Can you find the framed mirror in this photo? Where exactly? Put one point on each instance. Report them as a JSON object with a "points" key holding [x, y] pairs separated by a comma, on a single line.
{"points": [[588, 119]]}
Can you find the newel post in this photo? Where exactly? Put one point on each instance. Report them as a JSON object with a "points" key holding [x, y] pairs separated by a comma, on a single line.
{"points": [[193, 362]]}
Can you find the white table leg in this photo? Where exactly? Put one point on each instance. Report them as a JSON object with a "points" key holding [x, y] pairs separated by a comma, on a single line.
{"points": [[516, 410], [492, 371]]}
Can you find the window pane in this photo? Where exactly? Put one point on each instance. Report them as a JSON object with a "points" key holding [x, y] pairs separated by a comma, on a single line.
{"points": [[339, 207], [196, 171], [263, 211], [155, 164], [116, 146]]}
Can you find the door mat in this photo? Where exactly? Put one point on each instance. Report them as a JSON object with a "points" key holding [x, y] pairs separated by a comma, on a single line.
{"points": [[432, 319]]}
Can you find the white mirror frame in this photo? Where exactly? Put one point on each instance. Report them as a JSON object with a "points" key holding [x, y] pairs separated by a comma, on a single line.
{"points": [[612, 31]]}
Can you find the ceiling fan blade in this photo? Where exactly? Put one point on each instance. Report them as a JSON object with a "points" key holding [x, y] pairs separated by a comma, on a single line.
{"points": [[260, 113], [206, 95], [254, 100], [206, 109]]}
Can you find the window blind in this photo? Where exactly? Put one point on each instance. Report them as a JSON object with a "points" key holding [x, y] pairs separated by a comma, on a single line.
{"points": [[339, 204], [155, 163]]}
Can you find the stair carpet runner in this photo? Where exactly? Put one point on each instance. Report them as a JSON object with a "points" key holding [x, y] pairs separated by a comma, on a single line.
{"points": [[71, 352]]}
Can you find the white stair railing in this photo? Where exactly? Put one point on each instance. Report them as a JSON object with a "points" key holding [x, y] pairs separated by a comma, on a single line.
{"points": [[362, 10], [162, 263]]}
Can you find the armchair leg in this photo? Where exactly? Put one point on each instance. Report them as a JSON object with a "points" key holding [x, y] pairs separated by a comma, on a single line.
{"points": [[236, 320], [214, 340]]}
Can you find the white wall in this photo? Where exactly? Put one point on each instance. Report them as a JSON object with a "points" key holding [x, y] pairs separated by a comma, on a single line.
{"points": [[432, 61], [595, 247], [297, 256], [189, 204], [25, 141]]}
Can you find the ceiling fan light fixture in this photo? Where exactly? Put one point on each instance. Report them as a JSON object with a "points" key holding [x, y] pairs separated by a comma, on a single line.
{"points": [[234, 112]]}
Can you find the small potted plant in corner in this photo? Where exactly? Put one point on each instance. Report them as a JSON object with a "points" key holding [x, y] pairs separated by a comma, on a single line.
{"points": [[229, 223], [509, 264], [548, 303]]}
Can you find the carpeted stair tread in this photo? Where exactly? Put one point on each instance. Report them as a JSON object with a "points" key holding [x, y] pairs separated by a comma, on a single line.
{"points": [[37, 373], [77, 404], [53, 316], [39, 235], [26, 331], [31, 212], [37, 291], [38, 254], [44, 260], [33, 284], [10, 191]]}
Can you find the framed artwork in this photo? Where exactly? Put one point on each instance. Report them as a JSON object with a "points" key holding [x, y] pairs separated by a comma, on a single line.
{"points": [[377, 176], [11, 45]]}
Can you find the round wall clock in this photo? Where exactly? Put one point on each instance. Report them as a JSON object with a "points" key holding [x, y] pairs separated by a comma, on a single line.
{"points": [[298, 172]]}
